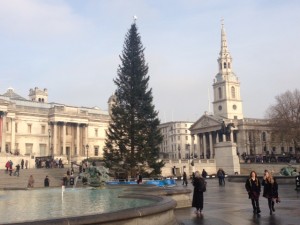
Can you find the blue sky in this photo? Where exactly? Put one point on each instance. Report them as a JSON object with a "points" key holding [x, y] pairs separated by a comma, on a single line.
{"points": [[72, 48]]}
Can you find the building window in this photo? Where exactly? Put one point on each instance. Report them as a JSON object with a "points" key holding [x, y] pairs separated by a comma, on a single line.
{"points": [[187, 138], [225, 65], [96, 132], [29, 126], [178, 138], [220, 92], [232, 92], [229, 65], [7, 126], [96, 150], [28, 147], [264, 136], [16, 127], [43, 129]]}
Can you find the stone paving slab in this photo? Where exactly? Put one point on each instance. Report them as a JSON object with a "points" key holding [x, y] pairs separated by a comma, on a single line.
{"points": [[229, 205]]}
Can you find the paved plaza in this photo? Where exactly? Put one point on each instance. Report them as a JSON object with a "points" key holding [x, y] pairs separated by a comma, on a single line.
{"points": [[229, 205]]}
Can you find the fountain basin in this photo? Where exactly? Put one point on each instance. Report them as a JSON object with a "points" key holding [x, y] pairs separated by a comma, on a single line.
{"points": [[84, 206]]}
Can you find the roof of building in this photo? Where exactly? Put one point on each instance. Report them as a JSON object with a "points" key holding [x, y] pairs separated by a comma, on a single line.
{"points": [[10, 93]]}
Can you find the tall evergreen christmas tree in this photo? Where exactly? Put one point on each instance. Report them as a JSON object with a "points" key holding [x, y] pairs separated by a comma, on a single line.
{"points": [[133, 136]]}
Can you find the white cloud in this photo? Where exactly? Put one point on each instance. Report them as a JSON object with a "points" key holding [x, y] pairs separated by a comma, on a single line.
{"points": [[39, 19]]}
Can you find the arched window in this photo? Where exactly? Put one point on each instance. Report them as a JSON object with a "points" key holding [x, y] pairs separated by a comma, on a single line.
{"points": [[225, 65], [232, 92], [220, 66], [220, 92], [229, 65]]}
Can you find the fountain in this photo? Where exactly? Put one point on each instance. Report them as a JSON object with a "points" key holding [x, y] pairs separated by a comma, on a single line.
{"points": [[84, 206], [94, 176]]}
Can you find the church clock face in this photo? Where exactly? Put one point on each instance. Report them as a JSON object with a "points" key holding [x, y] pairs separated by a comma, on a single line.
{"points": [[220, 107], [234, 107]]}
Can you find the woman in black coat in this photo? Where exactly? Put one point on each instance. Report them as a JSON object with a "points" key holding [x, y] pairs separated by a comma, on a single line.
{"points": [[199, 188], [270, 190], [253, 188]]}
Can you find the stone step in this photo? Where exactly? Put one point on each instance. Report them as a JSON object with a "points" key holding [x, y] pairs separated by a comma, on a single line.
{"points": [[55, 175]]}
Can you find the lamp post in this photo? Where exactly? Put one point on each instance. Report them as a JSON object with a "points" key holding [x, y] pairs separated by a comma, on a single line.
{"points": [[87, 152]]}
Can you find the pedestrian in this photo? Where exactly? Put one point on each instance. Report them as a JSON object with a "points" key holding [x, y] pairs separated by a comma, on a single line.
{"points": [[221, 175], [65, 180], [199, 187], [30, 182], [270, 190], [17, 172], [26, 164], [10, 169], [204, 173], [46, 182], [140, 178], [184, 179], [7, 165], [253, 188], [297, 179], [22, 163]]}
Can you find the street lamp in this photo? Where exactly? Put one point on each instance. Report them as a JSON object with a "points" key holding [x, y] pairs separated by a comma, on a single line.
{"points": [[87, 152]]}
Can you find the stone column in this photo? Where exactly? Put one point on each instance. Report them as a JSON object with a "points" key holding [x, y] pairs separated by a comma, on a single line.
{"points": [[77, 140], [211, 146], [192, 145], [3, 132], [13, 134], [54, 138], [231, 136], [204, 145], [224, 137], [217, 137], [198, 145], [64, 138]]}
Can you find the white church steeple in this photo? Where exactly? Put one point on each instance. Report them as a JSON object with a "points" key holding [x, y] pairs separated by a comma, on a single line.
{"points": [[227, 99]]}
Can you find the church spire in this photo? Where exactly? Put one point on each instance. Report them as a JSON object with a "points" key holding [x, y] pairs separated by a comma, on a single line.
{"points": [[225, 57], [227, 98]]}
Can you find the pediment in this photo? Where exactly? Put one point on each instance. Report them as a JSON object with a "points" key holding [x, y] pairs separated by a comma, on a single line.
{"points": [[206, 121]]}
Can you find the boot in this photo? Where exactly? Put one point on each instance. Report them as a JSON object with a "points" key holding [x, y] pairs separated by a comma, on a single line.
{"points": [[254, 210], [273, 209], [258, 210]]}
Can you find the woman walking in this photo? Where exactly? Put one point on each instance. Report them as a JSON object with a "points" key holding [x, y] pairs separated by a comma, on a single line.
{"points": [[199, 187], [270, 190], [253, 188]]}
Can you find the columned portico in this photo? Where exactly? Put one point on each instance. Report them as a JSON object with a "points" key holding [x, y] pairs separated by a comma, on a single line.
{"points": [[3, 130]]}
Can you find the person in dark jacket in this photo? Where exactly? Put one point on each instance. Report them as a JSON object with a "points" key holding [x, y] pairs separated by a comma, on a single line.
{"points": [[184, 179], [270, 190], [253, 188], [199, 187], [46, 182]]}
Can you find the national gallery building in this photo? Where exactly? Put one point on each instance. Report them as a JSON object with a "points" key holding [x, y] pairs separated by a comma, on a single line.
{"points": [[34, 127]]}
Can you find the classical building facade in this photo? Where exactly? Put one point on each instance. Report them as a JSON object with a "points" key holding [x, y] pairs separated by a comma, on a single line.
{"points": [[250, 135], [35, 127], [176, 140]]}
